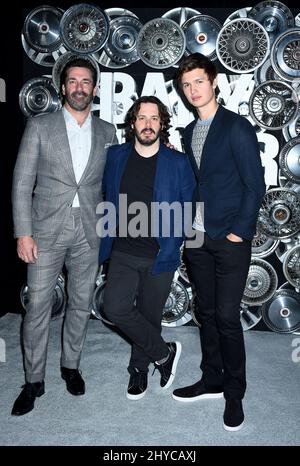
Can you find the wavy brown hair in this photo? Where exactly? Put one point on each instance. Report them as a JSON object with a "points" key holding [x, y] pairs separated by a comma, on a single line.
{"points": [[163, 112], [193, 61]]}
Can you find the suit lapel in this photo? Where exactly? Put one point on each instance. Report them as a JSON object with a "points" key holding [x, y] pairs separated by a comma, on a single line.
{"points": [[189, 150], [215, 126], [62, 146], [95, 150]]}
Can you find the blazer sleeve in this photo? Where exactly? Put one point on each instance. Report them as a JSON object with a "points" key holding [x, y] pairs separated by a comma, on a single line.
{"points": [[246, 153], [187, 187], [188, 181], [24, 178]]}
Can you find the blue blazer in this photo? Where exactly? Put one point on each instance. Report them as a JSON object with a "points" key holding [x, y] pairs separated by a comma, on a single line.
{"points": [[174, 181], [230, 181]]}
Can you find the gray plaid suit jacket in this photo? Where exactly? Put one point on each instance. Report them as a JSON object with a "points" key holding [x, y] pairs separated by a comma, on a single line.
{"points": [[44, 182]]}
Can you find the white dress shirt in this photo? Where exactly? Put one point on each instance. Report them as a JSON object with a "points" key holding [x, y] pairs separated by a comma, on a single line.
{"points": [[80, 139]]}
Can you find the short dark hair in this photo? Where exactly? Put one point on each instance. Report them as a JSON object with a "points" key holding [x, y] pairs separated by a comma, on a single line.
{"points": [[163, 112], [193, 61], [81, 63]]}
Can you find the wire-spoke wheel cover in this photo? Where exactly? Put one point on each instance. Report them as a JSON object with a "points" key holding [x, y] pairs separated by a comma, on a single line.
{"points": [[242, 45], [161, 43]]}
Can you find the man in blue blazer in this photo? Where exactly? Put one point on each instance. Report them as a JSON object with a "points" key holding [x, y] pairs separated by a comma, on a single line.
{"points": [[224, 153], [144, 250]]}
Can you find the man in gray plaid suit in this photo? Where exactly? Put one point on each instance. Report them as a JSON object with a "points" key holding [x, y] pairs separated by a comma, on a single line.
{"points": [[56, 188]]}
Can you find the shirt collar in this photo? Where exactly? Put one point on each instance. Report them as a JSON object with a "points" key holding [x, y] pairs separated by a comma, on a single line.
{"points": [[70, 119]]}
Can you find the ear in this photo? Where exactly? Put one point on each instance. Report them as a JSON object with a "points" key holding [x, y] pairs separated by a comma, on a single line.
{"points": [[63, 89], [95, 91], [215, 83]]}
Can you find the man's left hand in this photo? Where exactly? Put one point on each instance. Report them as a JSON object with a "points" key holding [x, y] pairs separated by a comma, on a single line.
{"points": [[234, 238], [170, 146]]}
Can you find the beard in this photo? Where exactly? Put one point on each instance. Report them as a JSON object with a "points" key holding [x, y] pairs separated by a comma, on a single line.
{"points": [[147, 142], [82, 104]]}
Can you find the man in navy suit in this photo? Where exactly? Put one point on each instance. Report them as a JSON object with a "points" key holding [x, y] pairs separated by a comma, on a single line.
{"points": [[224, 153], [146, 173]]}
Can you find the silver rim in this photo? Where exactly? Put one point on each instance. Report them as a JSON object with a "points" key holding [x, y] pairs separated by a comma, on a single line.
{"points": [[285, 55], [97, 308], [287, 183], [242, 45], [261, 283], [289, 160], [38, 95], [291, 266], [121, 44], [273, 105], [102, 56], [265, 73], [241, 13], [279, 215], [293, 129], [285, 245], [176, 305], [180, 15], [41, 58], [59, 298], [201, 34], [263, 246], [41, 29], [282, 313], [249, 316], [161, 43], [84, 28], [274, 16]]}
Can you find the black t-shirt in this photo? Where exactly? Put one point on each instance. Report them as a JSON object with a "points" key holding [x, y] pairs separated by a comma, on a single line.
{"points": [[137, 183]]}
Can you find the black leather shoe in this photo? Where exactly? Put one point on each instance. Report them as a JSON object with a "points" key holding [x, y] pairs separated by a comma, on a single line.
{"points": [[74, 382], [25, 401], [233, 415], [198, 391]]}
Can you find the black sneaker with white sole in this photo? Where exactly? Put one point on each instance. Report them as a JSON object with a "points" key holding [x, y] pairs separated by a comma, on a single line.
{"points": [[198, 391], [168, 369], [233, 415], [137, 385]]}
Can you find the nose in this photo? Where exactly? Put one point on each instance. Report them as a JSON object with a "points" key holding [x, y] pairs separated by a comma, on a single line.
{"points": [[79, 86], [148, 123], [192, 89]]}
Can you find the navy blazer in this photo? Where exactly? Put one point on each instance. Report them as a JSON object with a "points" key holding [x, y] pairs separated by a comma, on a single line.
{"points": [[174, 181], [230, 181]]}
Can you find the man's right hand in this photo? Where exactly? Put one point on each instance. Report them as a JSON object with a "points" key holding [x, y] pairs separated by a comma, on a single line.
{"points": [[27, 249]]}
